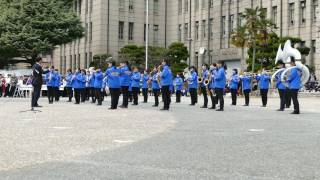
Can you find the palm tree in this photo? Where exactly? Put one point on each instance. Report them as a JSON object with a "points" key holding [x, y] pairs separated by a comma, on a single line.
{"points": [[239, 39]]}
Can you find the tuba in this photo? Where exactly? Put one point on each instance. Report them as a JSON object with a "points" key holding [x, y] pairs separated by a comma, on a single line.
{"points": [[285, 55]]}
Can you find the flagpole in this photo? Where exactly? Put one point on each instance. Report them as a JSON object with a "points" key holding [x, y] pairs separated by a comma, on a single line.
{"points": [[147, 31]]}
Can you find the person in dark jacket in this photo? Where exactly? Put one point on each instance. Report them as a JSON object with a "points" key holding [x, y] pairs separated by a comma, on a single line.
{"points": [[37, 82]]}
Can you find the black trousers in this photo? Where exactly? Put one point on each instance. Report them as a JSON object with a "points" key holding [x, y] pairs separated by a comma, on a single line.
{"points": [[166, 96], [130, 95], [247, 96], [70, 93], [135, 92], [51, 93], [234, 93], [77, 94], [193, 95], [178, 96], [115, 93], [145, 94], [125, 95], [88, 93], [156, 93], [294, 96], [98, 96], [205, 96], [93, 94], [282, 94], [35, 95], [288, 98], [219, 93], [56, 93], [264, 96], [213, 99], [83, 94]]}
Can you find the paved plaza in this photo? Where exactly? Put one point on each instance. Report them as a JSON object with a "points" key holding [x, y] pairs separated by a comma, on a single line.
{"points": [[86, 142]]}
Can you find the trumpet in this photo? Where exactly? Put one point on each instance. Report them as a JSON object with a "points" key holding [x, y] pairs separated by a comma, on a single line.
{"points": [[200, 80], [206, 82]]}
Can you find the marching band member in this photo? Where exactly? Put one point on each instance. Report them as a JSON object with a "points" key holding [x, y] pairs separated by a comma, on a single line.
{"points": [[264, 81], [145, 85], [92, 79], [50, 82], [179, 84], [205, 75], [193, 85], [220, 83], [294, 81], [125, 78], [69, 84], [76, 83], [57, 84], [246, 87], [98, 86], [213, 71], [166, 81], [281, 87], [135, 84], [83, 85], [233, 85], [113, 81], [155, 86]]}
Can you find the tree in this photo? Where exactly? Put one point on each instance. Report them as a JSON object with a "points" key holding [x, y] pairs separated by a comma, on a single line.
{"points": [[254, 31], [132, 53], [238, 39], [100, 61], [178, 55], [31, 27], [136, 55], [267, 52]]}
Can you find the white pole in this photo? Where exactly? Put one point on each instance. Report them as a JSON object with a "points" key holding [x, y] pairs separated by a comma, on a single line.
{"points": [[147, 31]]}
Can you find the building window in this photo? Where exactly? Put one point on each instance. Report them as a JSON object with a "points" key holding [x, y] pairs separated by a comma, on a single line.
{"points": [[156, 6], [131, 5], [91, 6], [239, 20], [121, 5], [204, 4], [86, 60], [90, 32], [186, 31], [131, 30], [315, 8], [291, 14], [231, 20], [197, 30], [303, 11], [313, 46], [196, 5], [90, 57], [204, 29], [211, 3], [121, 28], [179, 32], [186, 6], [86, 32], [155, 33], [274, 14], [223, 25], [80, 6], [74, 63], [180, 6], [211, 28], [87, 5], [78, 64]]}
